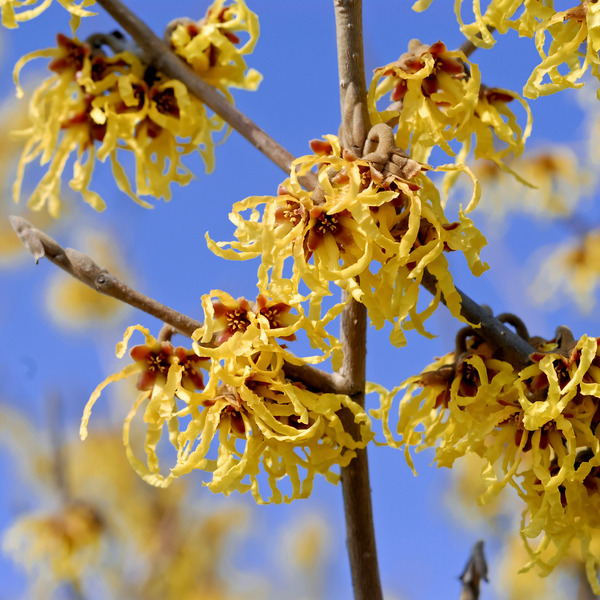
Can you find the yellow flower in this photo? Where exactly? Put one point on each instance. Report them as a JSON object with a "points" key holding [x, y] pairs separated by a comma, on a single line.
{"points": [[572, 268], [466, 486], [64, 544], [96, 106], [513, 583], [500, 15], [261, 419], [549, 183], [534, 430], [358, 220], [210, 46], [560, 398], [116, 524], [15, 11], [225, 317], [453, 406], [165, 374], [437, 98], [11, 249], [559, 520], [569, 30]]}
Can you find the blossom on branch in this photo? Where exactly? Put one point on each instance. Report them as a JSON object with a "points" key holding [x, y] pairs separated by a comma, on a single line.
{"points": [[574, 34], [370, 232], [211, 45], [437, 98], [246, 416], [97, 106], [534, 430], [574, 47], [501, 15]]}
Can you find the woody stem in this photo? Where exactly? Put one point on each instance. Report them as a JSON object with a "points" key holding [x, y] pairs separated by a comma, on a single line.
{"points": [[362, 550]]}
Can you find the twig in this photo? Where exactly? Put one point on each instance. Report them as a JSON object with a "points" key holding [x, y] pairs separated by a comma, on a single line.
{"points": [[474, 572], [82, 267], [584, 590], [158, 54], [511, 346], [362, 550], [53, 406], [316, 379], [351, 67], [468, 47]]}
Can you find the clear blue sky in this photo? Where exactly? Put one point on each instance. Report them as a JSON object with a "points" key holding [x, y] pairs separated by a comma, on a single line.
{"points": [[421, 551]]}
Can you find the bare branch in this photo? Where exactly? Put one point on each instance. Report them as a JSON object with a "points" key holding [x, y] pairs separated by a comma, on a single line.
{"points": [[362, 550], [353, 87], [474, 572], [83, 268], [158, 54], [316, 379], [513, 348]]}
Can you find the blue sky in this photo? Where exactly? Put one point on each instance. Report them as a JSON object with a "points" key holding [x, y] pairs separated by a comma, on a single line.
{"points": [[421, 550]]}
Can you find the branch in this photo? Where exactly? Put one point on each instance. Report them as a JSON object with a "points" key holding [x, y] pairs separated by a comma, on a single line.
{"points": [[82, 267], [468, 47], [353, 85], [584, 590], [474, 572], [317, 379], [362, 550], [512, 348], [158, 54]]}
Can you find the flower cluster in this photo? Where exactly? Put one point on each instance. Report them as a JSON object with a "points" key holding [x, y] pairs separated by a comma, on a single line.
{"points": [[573, 269], [212, 47], [574, 34], [246, 413], [96, 106], [534, 429], [569, 30], [89, 518], [368, 230], [437, 98], [15, 11], [549, 183], [500, 15], [66, 542]]}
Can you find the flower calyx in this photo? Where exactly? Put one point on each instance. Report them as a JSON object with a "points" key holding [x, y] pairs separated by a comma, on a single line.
{"points": [[385, 158]]}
